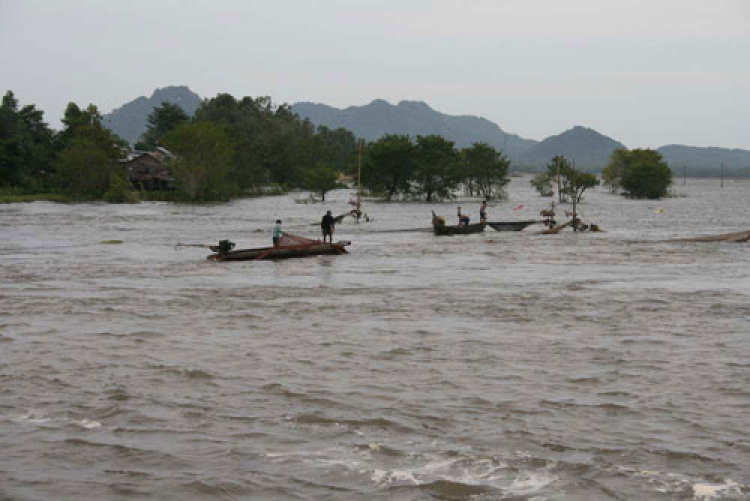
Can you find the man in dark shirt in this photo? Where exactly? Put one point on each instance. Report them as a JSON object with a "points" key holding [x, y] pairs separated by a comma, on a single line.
{"points": [[326, 225]]}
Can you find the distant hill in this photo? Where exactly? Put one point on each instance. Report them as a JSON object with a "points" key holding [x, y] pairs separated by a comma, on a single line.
{"points": [[702, 160], [129, 121], [589, 149], [414, 118]]}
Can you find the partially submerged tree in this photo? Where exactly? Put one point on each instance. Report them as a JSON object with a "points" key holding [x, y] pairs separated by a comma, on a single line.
{"points": [[486, 168], [544, 184], [646, 174], [389, 165], [435, 167], [577, 183], [612, 173], [556, 170], [571, 182], [321, 179]]}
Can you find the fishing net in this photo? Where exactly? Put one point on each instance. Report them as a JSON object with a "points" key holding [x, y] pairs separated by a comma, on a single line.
{"points": [[289, 240]]}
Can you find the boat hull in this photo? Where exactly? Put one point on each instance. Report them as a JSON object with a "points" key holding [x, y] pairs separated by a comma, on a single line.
{"points": [[458, 230], [273, 253], [510, 225]]}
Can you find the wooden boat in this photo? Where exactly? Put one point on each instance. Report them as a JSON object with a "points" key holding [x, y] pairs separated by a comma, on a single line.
{"points": [[287, 252], [441, 229], [511, 225]]}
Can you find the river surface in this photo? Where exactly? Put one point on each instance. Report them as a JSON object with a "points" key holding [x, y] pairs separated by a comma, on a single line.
{"points": [[501, 366]]}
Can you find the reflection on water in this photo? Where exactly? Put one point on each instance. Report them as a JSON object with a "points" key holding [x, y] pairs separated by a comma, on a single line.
{"points": [[493, 366]]}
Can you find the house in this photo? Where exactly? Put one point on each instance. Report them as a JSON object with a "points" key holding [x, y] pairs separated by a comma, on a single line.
{"points": [[148, 170]]}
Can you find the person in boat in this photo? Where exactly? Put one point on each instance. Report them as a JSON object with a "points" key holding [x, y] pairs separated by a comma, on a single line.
{"points": [[483, 212], [437, 220], [277, 233], [326, 225], [463, 219]]}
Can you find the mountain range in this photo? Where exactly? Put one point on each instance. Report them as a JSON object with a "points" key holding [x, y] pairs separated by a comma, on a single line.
{"points": [[414, 118], [129, 120], [588, 148]]}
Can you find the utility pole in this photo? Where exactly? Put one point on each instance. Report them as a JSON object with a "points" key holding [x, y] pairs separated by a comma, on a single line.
{"points": [[722, 174], [359, 179], [684, 175], [559, 194]]}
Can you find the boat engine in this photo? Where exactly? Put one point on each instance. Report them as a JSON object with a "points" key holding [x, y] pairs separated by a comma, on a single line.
{"points": [[225, 246]]}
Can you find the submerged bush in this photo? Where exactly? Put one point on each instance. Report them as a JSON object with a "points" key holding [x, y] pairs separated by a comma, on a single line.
{"points": [[120, 192]]}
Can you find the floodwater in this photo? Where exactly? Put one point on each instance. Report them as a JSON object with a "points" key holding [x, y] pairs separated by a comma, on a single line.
{"points": [[501, 366]]}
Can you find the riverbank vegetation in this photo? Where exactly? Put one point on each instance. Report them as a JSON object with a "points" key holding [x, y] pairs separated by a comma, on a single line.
{"points": [[229, 148]]}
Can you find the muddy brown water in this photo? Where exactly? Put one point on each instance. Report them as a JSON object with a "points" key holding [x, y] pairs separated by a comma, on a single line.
{"points": [[495, 366]]}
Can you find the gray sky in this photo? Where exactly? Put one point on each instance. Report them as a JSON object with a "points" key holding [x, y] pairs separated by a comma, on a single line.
{"points": [[645, 72]]}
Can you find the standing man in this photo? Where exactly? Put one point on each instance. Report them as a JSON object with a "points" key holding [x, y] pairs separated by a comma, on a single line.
{"points": [[326, 225], [483, 212], [277, 233]]}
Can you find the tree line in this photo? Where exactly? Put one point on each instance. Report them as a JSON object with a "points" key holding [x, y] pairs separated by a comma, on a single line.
{"points": [[234, 147], [80, 160], [638, 173], [228, 148]]}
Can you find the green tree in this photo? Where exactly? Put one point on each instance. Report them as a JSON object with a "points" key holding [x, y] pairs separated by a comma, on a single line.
{"points": [[612, 173], [487, 169], [646, 174], [203, 160], [120, 191], [340, 147], [435, 171], [272, 144], [578, 182], [89, 155], [544, 184], [389, 165], [25, 145], [84, 167], [161, 120], [321, 178], [73, 118], [556, 170], [245, 122]]}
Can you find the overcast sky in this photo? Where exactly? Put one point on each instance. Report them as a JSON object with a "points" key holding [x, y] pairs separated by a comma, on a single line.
{"points": [[645, 72]]}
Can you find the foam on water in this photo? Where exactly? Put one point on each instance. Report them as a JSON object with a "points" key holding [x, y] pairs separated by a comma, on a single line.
{"points": [[39, 419], [706, 492]]}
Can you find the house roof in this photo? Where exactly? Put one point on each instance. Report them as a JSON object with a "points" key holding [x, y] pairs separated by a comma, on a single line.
{"points": [[160, 154]]}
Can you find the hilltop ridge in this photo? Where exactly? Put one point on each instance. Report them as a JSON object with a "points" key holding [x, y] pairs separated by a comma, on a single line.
{"points": [[415, 118], [129, 120], [588, 148]]}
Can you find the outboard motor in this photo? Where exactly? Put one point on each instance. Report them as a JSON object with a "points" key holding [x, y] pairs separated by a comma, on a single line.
{"points": [[225, 246]]}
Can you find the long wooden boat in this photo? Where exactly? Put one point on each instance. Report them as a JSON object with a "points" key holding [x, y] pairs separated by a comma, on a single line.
{"points": [[441, 229], [260, 253], [510, 225]]}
